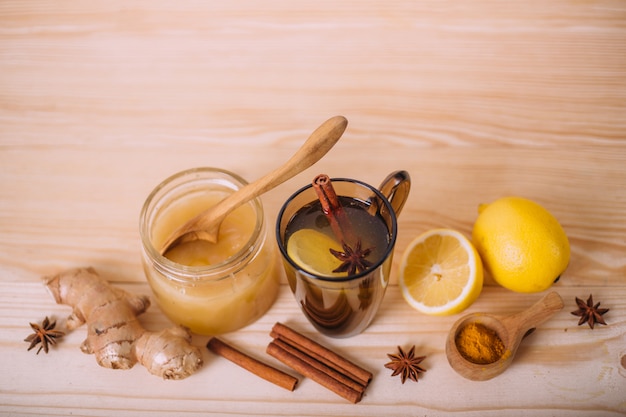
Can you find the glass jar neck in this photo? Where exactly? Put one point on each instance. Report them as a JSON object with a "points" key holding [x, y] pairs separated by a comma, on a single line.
{"points": [[177, 187]]}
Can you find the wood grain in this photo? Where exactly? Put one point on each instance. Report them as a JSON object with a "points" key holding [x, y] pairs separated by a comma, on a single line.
{"points": [[100, 101]]}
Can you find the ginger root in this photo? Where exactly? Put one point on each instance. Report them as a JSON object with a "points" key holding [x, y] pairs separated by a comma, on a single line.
{"points": [[114, 335]]}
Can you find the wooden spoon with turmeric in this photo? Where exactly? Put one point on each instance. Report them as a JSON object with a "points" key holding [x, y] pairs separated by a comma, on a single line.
{"points": [[481, 346]]}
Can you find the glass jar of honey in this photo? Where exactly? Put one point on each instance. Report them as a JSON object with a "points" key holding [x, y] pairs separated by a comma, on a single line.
{"points": [[210, 288]]}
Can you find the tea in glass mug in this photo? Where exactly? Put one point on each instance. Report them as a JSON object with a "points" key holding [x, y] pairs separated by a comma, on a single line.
{"points": [[337, 245]]}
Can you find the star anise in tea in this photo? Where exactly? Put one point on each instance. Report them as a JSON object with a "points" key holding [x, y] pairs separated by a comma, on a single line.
{"points": [[405, 364], [44, 334], [590, 313], [353, 259]]}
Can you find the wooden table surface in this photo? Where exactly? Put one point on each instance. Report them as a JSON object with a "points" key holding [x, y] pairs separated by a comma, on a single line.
{"points": [[101, 100]]}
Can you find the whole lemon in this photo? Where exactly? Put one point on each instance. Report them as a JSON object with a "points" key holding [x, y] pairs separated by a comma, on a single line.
{"points": [[521, 244]]}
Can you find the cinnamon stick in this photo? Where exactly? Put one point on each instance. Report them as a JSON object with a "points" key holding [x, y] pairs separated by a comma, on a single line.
{"points": [[258, 368], [331, 372], [331, 206], [321, 354], [318, 376]]}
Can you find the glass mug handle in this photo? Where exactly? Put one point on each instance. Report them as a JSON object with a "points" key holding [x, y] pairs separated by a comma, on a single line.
{"points": [[396, 187]]}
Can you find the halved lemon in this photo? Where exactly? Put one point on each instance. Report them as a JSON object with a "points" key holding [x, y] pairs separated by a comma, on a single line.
{"points": [[310, 249], [441, 273]]}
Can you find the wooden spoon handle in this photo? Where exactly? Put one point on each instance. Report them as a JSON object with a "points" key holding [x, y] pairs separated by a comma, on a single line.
{"points": [[206, 224], [315, 147], [536, 314]]}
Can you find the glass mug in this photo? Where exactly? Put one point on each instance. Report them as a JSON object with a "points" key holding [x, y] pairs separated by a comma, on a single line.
{"points": [[341, 305], [208, 288]]}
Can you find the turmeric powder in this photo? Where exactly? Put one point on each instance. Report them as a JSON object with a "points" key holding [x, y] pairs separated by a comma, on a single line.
{"points": [[479, 344]]}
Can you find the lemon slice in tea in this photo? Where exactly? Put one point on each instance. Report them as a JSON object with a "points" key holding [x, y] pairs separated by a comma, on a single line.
{"points": [[310, 249], [441, 273]]}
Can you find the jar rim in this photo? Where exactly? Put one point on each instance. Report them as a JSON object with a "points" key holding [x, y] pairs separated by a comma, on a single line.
{"points": [[165, 189]]}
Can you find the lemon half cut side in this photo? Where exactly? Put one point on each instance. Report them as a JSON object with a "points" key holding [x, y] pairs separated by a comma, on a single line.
{"points": [[441, 273]]}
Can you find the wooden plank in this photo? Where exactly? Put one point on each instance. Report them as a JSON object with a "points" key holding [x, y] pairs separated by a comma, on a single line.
{"points": [[67, 378], [99, 102]]}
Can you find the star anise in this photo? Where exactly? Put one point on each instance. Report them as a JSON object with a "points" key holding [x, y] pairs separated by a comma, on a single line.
{"points": [[353, 260], [405, 364], [590, 313], [45, 334]]}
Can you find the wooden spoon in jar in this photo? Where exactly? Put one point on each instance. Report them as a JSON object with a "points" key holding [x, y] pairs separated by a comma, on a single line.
{"points": [[206, 225], [510, 329]]}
